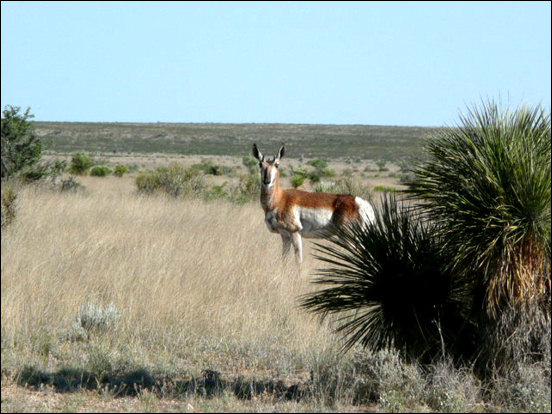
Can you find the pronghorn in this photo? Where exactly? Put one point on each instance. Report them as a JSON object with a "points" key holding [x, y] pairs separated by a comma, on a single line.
{"points": [[295, 213]]}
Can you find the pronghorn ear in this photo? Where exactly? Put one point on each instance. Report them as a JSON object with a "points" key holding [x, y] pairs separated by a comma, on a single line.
{"points": [[257, 154], [281, 152]]}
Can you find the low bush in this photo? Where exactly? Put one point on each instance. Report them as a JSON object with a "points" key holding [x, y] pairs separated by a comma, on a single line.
{"points": [[120, 170], [100, 171], [250, 163], [318, 163], [381, 165], [526, 388], [297, 180], [248, 188], [174, 180], [450, 389], [80, 164], [209, 168], [216, 192], [327, 187]]}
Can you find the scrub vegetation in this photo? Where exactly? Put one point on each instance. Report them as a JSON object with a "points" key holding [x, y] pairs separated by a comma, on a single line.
{"points": [[159, 288]]}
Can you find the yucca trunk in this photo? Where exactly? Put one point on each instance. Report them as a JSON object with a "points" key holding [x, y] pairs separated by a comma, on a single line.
{"points": [[522, 280]]}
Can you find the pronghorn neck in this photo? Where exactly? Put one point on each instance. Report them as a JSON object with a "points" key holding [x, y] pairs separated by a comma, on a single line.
{"points": [[270, 195]]}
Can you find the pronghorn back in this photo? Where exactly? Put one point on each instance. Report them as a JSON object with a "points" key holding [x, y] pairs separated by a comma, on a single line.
{"points": [[312, 214]]}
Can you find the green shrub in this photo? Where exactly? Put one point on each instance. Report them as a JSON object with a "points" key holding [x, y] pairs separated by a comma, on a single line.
{"points": [[209, 168], [316, 175], [100, 171], [80, 164], [297, 180], [321, 170], [148, 182], [381, 165], [45, 170], [21, 148], [249, 162], [120, 170], [248, 188], [216, 192], [174, 180], [318, 164], [327, 187]]}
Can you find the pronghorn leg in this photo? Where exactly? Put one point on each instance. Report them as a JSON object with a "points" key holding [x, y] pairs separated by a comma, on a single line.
{"points": [[286, 244], [297, 245]]}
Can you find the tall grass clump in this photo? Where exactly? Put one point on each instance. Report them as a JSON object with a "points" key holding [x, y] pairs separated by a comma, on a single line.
{"points": [[389, 285], [120, 170], [486, 186]]}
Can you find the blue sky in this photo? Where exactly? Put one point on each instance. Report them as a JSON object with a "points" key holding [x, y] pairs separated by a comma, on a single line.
{"points": [[371, 63]]}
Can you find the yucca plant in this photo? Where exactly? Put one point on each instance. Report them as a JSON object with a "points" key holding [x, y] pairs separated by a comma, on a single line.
{"points": [[487, 187], [389, 285]]}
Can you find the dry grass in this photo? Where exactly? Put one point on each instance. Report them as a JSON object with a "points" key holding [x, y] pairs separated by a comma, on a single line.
{"points": [[199, 286], [201, 282]]}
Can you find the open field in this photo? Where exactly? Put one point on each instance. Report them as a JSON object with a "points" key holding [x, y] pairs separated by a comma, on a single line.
{"points": [[192, 310]]}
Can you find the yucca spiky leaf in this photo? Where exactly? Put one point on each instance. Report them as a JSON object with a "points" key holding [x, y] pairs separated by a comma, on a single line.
{"points": [[487, 187], [388, 285]]}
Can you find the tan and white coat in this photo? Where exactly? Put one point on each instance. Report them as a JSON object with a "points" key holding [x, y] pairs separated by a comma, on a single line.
{"points": [[295, 213]]}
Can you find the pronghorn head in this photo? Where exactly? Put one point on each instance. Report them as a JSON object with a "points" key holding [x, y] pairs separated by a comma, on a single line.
{"points": [[269, 167]]}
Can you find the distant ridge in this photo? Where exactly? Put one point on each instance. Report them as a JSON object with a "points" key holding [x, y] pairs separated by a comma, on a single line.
{"points": [[311, 141]]}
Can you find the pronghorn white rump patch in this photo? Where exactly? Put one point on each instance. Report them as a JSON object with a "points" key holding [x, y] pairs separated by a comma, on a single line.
{"points": [[365, 210], [312, 220]]}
